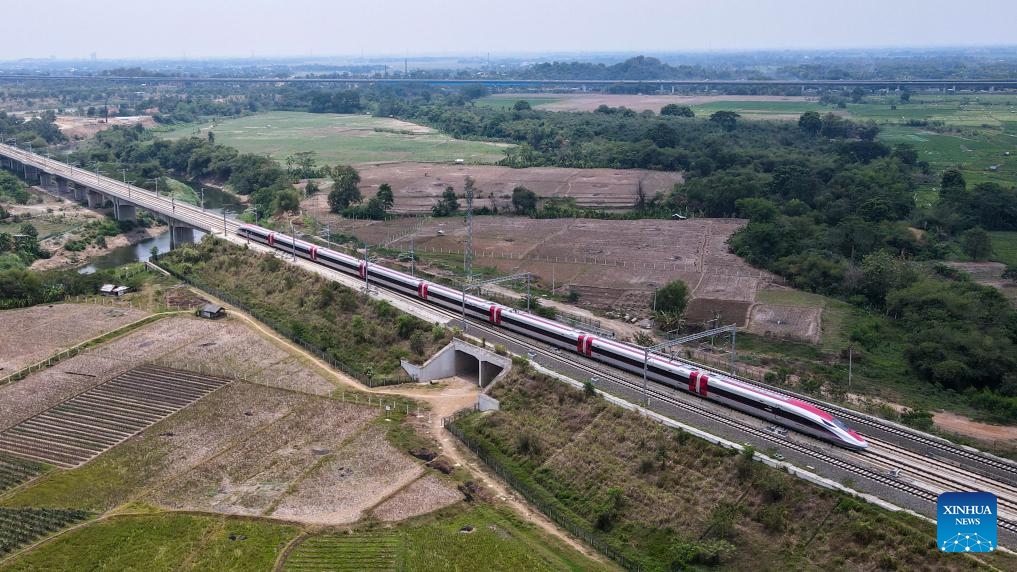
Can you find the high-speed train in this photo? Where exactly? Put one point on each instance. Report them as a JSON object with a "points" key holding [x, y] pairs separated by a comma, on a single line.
{"points": [[758, 402]]}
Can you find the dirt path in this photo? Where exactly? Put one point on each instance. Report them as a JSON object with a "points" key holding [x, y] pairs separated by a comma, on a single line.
{"points": [[982, 431], [455, 395]]}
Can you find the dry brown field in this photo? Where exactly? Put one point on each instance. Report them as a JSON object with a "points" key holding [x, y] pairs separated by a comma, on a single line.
{"points": [[33, 334], [273, 446], [591, 101], [786, 322], [418, 186], [614, 265]]}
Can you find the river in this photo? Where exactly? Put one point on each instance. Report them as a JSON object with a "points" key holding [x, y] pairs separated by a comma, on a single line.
{"points": [[215, 201]]}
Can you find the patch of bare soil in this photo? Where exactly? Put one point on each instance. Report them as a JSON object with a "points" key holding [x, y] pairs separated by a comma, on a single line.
{"points": [[29, 335], [252, 477], [228, 416], [352, 480], [982, 431], [424, 495], [233, 346], [591, 101], [786, 322], [79, 128], [613, 265], [418, 186]]}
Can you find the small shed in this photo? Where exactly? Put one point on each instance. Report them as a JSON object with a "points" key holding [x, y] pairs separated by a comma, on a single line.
{"points": [[121, 290], [212, 311], [107, 289]]}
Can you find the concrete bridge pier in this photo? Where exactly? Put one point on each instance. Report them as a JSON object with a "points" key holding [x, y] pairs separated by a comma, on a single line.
{"points": [[62, 185], [94, 199], [79, 193], [45, 180], [180, 234], [123, 210]]}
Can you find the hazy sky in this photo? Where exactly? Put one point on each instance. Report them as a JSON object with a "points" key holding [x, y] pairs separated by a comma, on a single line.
{"points": [[209, 28]]}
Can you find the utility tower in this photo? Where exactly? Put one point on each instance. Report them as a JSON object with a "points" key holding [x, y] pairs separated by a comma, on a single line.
{"points": [[468, 258]]}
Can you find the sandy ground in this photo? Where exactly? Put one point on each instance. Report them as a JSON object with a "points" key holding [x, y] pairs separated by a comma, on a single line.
{"points": [[591, 101], [418, 186], [77, 128], [786, 322], [31, 334], [983, 431]]}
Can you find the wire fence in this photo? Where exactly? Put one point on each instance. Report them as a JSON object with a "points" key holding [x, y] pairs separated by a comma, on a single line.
{"points": [[528, 491], [365, 377]]}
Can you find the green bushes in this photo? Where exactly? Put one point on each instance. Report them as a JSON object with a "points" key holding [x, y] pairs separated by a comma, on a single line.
{"points": [[365, 335]]}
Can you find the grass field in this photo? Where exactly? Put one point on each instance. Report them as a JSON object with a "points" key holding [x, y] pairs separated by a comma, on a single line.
{"points": [[341, 138], [496, 540], [162, 542], [1004, 247]]}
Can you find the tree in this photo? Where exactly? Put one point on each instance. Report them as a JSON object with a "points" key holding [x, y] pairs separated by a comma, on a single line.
{"points": [[385, 196], [952, 185], [211, 137], [675, 110], [524, 200], [3, 213], [449, 196], [287, 201], [344, 190], [522, 105], [672, 298], [663, 135], [976, 244], [811, 123], [1010, 273], [726, 119], [448, 203]]}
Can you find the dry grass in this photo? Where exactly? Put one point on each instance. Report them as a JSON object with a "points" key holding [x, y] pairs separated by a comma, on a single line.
{"points": [[29, 335], [424, 495], [253, 476], [244, 352], [350, 482]]}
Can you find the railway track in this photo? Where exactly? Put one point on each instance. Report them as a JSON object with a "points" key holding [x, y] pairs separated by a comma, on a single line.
{"points": [[1004, 469], [858, 465]]}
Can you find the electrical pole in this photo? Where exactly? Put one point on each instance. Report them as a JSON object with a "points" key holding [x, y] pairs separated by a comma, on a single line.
{"points": [[850, 359], [468, 261]]}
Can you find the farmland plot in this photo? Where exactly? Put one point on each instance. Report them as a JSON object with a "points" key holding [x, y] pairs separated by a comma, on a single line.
{"points": [[424, 495], [167, 450], [29, 335], [351, 481], [253, 476], [88, 424], [21, 526]]}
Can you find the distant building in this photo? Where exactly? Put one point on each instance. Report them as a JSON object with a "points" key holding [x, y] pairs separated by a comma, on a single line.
{"points": [[212, 311]]}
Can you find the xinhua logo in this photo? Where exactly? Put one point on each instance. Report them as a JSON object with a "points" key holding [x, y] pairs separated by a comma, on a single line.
{"points": [[966, 522]]}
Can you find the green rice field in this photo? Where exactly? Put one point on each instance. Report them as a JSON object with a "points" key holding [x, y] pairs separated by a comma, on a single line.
{"points": [[346, 139]]}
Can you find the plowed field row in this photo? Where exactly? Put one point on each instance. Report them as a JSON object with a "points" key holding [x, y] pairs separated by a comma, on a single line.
{"points": [[91, 422]]}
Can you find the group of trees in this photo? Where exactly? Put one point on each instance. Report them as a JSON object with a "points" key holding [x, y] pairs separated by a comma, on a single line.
{"points": [[346, 198], [38, 131], [147, 159]]}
